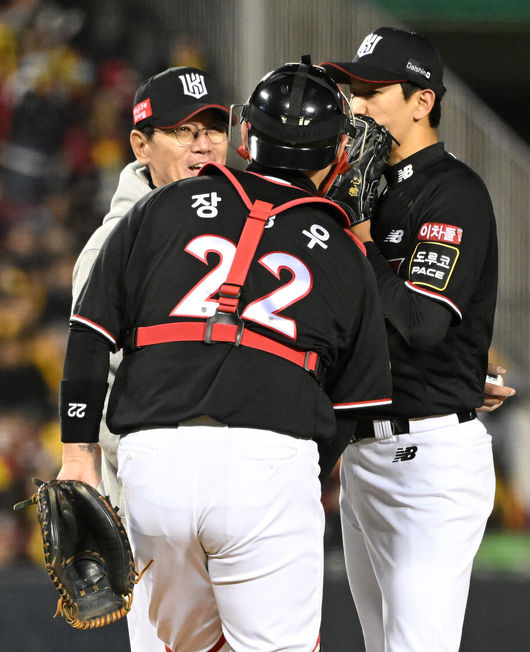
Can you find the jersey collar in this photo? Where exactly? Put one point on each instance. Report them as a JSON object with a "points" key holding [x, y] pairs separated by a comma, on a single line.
{"points": [[406, 169], [298, 179]]}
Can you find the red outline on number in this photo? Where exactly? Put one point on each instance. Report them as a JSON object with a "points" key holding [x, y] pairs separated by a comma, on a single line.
{"points": [[203, 279], [203, 259], [282, 287]]}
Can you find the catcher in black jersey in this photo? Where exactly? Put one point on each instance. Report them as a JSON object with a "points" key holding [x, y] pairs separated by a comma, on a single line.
{"points": [[417, 480], [251, 328]]}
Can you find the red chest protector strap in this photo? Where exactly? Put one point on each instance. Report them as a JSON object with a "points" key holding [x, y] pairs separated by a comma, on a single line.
{"points": [[225, 325], [230, 290], [224, 331]]}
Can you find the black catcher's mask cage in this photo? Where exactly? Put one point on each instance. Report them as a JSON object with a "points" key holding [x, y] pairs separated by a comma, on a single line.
{"points": [[295, 116]]}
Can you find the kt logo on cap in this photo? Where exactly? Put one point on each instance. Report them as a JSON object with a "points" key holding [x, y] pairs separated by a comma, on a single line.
{"points": [[193, 85], [368, 45]]}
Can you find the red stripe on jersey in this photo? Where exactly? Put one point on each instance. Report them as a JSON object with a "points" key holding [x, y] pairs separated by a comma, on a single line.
{"points": [[94, 326], [317, 646], [362, 404], [356, 240], [434, 295]]}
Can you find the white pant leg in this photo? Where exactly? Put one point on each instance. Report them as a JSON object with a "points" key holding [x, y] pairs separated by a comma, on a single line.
{"points": [[142, 633], [238, 508], [158, 488], [109, 469], [423, 516], [266, 561], [363, 584]]}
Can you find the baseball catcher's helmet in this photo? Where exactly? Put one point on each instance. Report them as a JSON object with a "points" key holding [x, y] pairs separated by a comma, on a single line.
{"points": [[295, 116]]}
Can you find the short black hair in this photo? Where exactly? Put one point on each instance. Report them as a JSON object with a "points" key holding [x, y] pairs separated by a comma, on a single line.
{"points": [[436, 112]]}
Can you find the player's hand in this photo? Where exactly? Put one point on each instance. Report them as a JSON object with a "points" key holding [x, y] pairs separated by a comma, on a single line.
{"points": [[495, 393], [81, 462], [362, 230]]}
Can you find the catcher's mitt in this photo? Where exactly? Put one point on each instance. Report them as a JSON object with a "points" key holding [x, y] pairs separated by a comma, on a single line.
{"points": [[356, 189], [86, 550]]}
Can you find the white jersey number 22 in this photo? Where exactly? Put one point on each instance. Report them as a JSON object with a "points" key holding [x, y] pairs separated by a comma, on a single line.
{"points": [[265, 311]]}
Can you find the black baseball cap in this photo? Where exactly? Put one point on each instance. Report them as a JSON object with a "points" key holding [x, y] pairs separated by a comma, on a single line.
{"points": [[388, 56], [171, 97]]}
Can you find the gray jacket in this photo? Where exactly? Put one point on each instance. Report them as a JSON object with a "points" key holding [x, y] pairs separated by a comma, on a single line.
{"points": [[133, 184]]}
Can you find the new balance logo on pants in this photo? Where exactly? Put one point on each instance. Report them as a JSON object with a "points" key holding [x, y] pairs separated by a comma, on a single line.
{"points": [[405, 454]]}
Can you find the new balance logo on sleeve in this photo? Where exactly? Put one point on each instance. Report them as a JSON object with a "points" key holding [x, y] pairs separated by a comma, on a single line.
{"points": [[405, 454]]}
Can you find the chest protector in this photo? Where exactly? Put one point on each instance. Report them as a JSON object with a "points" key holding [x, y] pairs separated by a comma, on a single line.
{"points": [[226, 325]]}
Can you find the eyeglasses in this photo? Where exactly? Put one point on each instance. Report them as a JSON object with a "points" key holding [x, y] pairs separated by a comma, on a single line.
{"points": [[187, 134]]}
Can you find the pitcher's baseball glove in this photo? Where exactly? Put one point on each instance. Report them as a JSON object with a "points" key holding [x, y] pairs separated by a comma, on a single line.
{"points": [[86, 550], [356, 189]]}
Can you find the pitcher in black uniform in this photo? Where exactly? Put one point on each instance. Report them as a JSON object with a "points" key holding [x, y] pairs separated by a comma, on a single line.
{"points": [[245, 342], [417, 480]]}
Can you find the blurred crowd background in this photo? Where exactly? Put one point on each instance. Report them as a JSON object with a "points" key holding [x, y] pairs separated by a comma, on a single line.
{"points": [[68, 72], [65, 116]]}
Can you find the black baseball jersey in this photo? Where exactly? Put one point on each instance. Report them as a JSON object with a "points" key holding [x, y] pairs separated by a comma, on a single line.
{"points": [[435, 227], [309, 287]]}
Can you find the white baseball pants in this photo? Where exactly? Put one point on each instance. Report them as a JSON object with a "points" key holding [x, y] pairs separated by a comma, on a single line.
{"points": [[233, 522], [413, 516]]}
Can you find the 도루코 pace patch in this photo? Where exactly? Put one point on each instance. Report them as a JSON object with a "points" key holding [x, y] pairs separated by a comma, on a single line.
{"points": [[432, 264]]}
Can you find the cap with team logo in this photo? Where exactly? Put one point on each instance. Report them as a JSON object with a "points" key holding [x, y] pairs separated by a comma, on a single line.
{"points": [[389, 56], [174, 96]]}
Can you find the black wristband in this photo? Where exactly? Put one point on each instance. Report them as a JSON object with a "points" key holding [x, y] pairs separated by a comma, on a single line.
{"points": [[80, 408]]}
